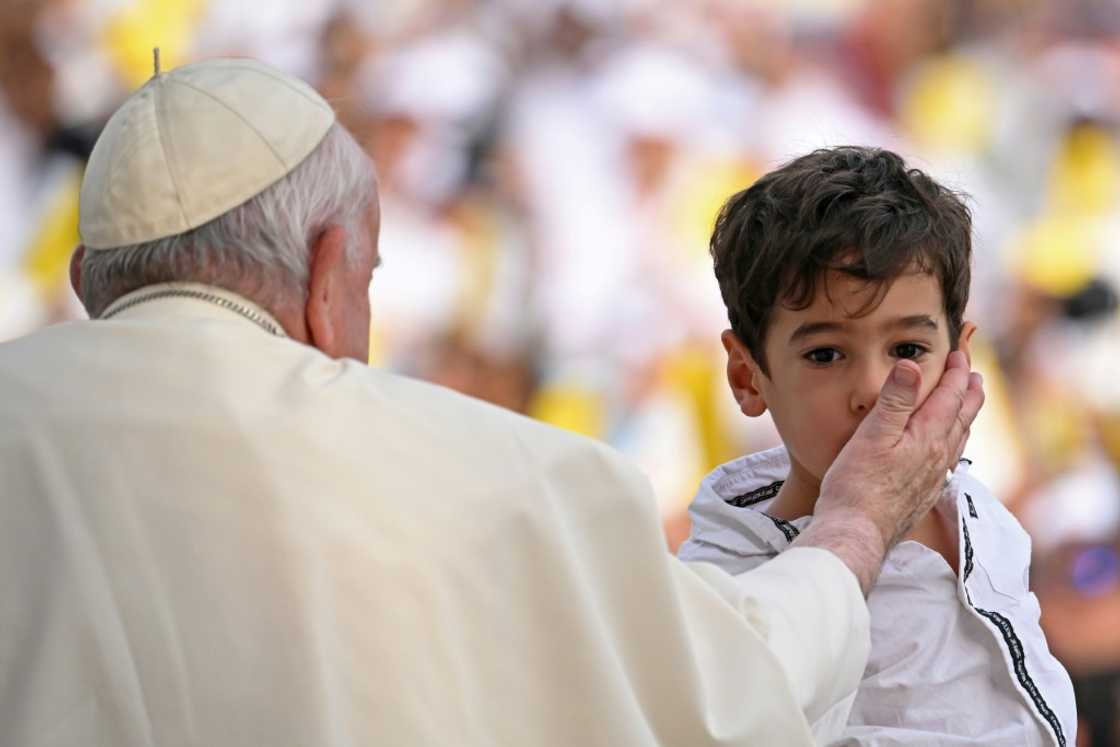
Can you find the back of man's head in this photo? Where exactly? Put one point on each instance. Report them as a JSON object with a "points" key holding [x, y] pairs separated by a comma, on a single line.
{"points": [[857, 210], [223, 172]]}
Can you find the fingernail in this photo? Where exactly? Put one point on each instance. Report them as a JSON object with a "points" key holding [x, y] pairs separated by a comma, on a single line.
{"points": [[905, 376]]}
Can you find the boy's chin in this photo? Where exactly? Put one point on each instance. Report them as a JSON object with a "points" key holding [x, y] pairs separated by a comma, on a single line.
{"points": [[811, 471]]}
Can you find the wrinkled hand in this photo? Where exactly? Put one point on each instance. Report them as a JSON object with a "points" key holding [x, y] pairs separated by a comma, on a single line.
{"points": [[892, 471]]}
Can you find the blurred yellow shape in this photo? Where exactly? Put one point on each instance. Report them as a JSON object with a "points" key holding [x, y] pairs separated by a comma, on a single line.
{"points": [[47, 259], [1057, 255], [1057, 426], [478, 226], [949, 106], [1086, 176], [570, 407], [376, 344], [997, 444], [695, 374], [135, 29], [699, 198], [1108, 425]]}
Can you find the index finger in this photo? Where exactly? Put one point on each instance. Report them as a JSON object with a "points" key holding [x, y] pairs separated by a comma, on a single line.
{"points": [[970, 408], [973, 401], [941, 411]]}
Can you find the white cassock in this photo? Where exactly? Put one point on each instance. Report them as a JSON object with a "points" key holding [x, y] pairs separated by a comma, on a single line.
{"points": [[213, 535]]}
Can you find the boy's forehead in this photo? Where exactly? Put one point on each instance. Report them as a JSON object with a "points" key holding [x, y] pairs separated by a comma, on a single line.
{"points": [[841, 297]]}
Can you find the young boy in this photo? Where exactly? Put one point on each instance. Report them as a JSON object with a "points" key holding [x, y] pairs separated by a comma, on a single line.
{"points": [[832, 268]]}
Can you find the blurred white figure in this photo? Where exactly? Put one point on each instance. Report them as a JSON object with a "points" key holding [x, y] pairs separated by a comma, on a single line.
{"points": [[20, 153], [570, 159], [21, 310], [427, 101], [285, 34], [1082, 505]]}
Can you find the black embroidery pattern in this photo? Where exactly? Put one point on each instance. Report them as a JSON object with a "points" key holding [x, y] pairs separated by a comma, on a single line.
{"points": [[967, 554], [755, 496], [1014, 647], [971, 506], [789, 530]]}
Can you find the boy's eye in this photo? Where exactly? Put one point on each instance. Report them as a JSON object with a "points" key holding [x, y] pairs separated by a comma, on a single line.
{"points": [[909, 350], [823, 355]]}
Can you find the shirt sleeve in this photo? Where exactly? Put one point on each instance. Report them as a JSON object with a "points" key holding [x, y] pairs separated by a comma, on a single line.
{"points": [[758, 658], [698, 549], [807, 608]]}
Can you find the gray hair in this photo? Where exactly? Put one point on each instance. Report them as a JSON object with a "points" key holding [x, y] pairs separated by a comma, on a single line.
{"points": [[260, 248]]}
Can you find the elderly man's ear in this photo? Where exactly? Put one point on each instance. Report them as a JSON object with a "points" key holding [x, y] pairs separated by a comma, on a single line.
{"points": [[76, 269], [743, 374], [326, 298]]}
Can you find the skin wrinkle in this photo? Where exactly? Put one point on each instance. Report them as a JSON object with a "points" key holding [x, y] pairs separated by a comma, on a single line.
{"points": [[854, 539]]}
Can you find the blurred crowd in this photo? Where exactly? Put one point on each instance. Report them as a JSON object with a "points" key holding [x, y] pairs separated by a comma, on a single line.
{"points": [[550, 171]]}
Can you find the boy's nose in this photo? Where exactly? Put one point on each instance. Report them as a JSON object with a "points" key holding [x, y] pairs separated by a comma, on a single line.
{"points": [[865, 389]]}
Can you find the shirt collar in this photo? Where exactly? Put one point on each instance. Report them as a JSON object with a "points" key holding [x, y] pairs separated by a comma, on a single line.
{"points": [[738, 494], [750, 479], [730, 507], [754, 479]]}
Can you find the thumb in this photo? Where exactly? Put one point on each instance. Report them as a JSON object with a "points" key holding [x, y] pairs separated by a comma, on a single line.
{"points": [[897, 400]]}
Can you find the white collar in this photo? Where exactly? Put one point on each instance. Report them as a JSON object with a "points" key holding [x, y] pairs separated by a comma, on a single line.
{"points": [[197, 293], [751, 482]]}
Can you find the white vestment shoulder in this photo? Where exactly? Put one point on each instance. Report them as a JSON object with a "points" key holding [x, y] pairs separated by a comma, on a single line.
{"points": [[211, 535]]}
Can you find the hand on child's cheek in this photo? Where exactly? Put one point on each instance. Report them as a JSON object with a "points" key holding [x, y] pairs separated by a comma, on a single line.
{"points": [[821, 384]]}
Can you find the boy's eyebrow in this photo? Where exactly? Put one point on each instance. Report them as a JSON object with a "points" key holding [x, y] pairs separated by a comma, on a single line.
{"points": [[813, 328], [917, 320]]}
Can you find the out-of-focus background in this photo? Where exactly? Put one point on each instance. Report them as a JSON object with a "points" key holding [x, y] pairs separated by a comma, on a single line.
{"points": [[550, 171]]}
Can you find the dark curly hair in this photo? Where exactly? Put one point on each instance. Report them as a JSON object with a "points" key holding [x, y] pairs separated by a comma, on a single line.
{"points": [[857, 210]]}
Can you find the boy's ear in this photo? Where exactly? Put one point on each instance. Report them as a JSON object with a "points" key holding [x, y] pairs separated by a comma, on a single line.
{"points": [[743, 373], [964, 344]]}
